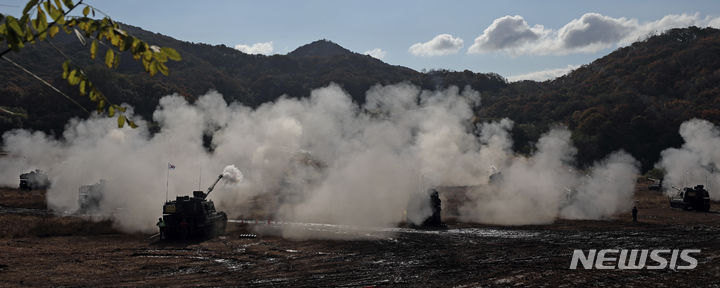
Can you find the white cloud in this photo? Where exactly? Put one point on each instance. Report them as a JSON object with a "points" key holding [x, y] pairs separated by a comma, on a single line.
{"points": [[543, 75], [265, 48], [376, 53], [588, 34], [442, 44], [593, 32], [506, 32]]}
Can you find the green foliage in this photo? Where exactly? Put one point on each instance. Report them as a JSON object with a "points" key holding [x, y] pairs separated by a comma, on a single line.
{"points": [[655, 173], [18, 32]]}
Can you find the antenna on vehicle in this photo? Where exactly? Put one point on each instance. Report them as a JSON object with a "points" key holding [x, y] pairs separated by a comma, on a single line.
{"points": [[712, 171]]}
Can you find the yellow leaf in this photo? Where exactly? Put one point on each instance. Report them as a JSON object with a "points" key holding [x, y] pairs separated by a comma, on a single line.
{"points": [[93, 49], [66, 69], [109, 57], [121, 121], [163, 69], [100, 105], [115, 40], [82, 87], [116, 62], [171, 53], [93, 95], [53, 30], [73, 78], [153, 69]]}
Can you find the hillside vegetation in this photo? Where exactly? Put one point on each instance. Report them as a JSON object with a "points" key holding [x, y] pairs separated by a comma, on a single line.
{"points": [[633, 99]]}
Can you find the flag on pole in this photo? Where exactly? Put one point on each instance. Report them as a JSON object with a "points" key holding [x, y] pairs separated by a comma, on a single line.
{"points": [[167, 180]]}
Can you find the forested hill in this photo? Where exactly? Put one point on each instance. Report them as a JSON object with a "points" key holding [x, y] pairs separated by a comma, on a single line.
{"points": [[634, 98], [250, 79]]}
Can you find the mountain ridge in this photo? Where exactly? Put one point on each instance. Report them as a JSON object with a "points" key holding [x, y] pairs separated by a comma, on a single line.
{"points": [[637, 92], [320, 48]]}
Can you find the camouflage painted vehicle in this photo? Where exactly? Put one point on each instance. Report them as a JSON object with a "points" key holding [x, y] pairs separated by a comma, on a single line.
{"points": [[193, 217]]}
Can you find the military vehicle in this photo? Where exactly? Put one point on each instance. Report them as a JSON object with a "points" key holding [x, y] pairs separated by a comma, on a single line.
{"points": [[655, 184], [496, 176], [34, 180], [190, 217], [697, 198], [90, 196]]}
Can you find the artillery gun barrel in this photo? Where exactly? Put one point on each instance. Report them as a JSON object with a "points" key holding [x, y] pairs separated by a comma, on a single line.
{"points": [[213, 185]]}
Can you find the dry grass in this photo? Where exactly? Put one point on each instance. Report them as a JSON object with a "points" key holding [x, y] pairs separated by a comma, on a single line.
{"points": [[13, 197], [15, 226]]}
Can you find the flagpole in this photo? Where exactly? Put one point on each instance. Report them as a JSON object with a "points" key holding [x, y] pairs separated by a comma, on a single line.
{"points": [[167, 181]]}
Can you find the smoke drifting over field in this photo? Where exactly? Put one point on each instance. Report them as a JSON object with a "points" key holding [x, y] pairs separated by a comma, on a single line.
{"points": [[696, 162], [323, 159]]}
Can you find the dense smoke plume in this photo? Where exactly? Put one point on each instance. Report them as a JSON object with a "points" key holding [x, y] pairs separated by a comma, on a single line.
{"points": [[540, 188], [322, 159], [232, 174], [696, 162]]}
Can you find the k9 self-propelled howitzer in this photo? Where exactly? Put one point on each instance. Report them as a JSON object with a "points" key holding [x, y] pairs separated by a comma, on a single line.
{"points": [[188, 217], [688, 198]]}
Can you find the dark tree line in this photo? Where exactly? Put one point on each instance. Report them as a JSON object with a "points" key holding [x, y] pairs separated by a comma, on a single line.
{"points": [[633, 99]]}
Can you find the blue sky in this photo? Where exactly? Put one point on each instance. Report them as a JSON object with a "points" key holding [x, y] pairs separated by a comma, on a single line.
{"points": [[540, 35]]}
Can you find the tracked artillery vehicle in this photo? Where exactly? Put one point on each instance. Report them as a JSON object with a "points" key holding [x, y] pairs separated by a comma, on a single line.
{"points": [[34, 180], [90, 196], [193, 217], [697, 198]]}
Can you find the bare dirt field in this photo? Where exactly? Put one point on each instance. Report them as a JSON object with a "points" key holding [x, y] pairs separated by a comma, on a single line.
{"points": [[38, 248]]}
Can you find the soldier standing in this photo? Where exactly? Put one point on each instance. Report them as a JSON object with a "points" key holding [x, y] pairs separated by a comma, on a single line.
{"points": [[161, 226]]}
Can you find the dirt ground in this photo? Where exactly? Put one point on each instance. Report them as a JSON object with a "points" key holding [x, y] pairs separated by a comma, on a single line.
{"points": [[41, 249]]}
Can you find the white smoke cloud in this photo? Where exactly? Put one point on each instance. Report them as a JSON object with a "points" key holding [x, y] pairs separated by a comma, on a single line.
{"points": [[697, 162], [588, 34], [443, 44], [264, 48], [319, 159], [376, 53], [608, 190], [504, 33], [544, 74], [545, 186], [232, 174]]}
